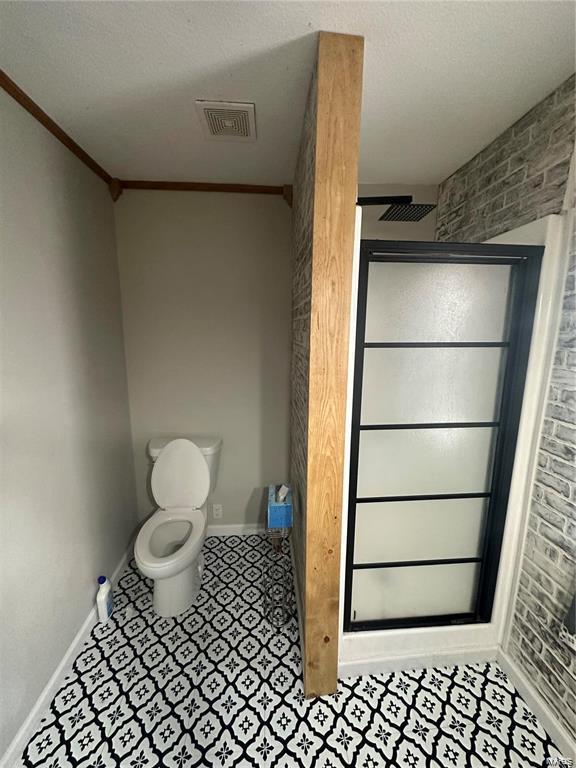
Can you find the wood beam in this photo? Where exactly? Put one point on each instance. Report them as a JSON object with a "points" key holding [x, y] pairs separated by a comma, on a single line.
{"points": [[337, 141], [37, 112], [201, 186]]}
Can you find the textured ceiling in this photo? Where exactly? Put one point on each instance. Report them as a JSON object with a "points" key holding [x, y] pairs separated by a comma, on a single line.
{"points": [[442, 79]]}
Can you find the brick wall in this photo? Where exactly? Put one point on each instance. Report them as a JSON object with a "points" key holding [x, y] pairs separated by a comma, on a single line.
{"points": [[518, 178], [521, 177], [301, 295], [548, 575]]}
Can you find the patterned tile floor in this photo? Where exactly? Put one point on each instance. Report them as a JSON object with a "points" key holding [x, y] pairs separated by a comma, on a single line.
{"points": [[218, 686]]}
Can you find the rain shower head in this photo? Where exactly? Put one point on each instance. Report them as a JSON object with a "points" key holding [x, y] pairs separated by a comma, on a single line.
{"points": [[400, 207], [407, 212], [384, 200]]}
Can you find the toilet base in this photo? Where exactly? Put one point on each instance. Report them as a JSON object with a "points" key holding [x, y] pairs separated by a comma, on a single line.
{"points": [[174, 595]]}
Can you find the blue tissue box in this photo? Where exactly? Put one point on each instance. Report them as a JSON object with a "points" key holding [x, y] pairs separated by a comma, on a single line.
{"points": [[279, 512]]}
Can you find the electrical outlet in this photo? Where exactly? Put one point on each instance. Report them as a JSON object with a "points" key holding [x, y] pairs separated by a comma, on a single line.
{"points": [[217, 511]]}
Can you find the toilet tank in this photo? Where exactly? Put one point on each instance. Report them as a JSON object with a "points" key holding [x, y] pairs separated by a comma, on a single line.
{"points": [[210, 445]]}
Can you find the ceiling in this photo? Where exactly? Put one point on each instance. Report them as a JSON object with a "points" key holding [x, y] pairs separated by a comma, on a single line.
{"points": [[442, 79]]}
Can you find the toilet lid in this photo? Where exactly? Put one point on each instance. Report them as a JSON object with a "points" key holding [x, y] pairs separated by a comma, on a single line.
{"points": [[180, 476]]}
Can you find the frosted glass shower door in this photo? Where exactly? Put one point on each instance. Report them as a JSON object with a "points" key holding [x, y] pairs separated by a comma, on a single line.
{"points": [[434, 344]]}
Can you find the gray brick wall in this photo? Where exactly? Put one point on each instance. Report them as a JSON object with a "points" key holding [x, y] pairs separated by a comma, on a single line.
{"points": [[548, 575], [301, 296], [518, 178]]}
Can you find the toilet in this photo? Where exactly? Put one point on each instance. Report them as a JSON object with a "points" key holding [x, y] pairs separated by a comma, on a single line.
{"points": [[168, 548]]}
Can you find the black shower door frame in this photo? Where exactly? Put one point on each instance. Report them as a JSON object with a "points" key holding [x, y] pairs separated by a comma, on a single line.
{"points": [[525, 262]]}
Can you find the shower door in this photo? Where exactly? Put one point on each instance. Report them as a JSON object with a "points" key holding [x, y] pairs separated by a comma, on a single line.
{"points": [[443, 336]]}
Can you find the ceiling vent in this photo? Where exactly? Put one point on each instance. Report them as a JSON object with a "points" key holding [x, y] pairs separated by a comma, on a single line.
{"points": [[227, 120]]}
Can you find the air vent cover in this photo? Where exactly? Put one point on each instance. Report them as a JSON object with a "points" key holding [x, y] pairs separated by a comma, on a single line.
{"points": [[411, 212], [227, 120]]}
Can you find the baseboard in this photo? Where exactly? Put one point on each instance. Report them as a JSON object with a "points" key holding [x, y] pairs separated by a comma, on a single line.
{"points": [[381, 665], [11, 757], [559, 735], [240, 529], [298, 595]]}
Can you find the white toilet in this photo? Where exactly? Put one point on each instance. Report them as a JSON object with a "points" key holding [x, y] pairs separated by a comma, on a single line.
{"points": [[169, 545]]}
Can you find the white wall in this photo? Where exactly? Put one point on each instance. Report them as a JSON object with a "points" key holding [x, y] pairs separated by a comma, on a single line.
{"points": [[206, 297], [372, 229], [67, 506]]}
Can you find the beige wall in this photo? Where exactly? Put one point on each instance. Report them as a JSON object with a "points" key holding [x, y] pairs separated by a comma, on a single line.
{"points": [[67, 505], [206, 298], [372, 229]]}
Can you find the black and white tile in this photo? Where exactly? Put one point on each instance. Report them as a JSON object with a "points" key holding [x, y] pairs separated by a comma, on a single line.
{"points": [[218, 686]]}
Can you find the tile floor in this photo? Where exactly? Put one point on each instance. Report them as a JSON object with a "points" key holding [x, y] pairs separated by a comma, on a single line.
{"points": [[218, 686]]}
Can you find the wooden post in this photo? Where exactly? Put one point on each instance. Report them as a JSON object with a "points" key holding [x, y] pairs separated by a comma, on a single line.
{"points": [[325, 192]]}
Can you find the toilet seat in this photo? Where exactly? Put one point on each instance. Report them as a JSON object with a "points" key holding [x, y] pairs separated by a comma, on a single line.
{"points": [[163, 567]]}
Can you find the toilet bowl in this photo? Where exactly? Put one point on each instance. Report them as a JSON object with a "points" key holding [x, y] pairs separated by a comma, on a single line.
{"points": [[168, 548]]}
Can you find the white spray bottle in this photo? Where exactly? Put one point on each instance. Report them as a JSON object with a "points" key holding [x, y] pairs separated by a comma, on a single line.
{"points": [[104, 599]]}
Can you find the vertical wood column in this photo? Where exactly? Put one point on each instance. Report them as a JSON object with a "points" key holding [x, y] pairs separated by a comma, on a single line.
{"points": [[325, 192]]}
